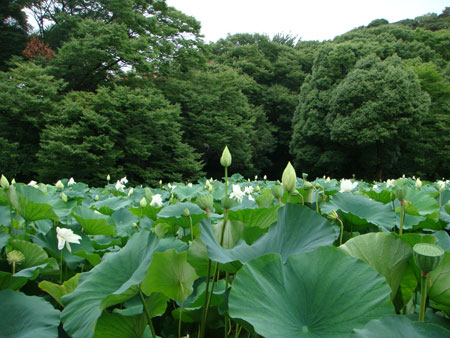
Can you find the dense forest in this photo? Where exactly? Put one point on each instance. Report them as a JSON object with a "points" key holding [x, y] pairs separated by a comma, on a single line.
{"points": [[130, 88]]}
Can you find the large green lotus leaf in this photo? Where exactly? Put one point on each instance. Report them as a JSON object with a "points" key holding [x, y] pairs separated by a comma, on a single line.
{"points": [[111, 282], [118, 326], [323, 293], [123, 219], [261, 217], [443, 239], [172, 214], [421, 204], [5, 217], [4, 238], [298, 229], [57, 291], [62, 209], [148, 211], [400, 327], [156, 305], [265, 200], [31, 203], [383, 196], [110, 205], [186, 192], [24, 316], [34, 254], [373, 212], [92, 222], [439, 291], [410, 221], [171, 274], [384, 252], [8, 281]]}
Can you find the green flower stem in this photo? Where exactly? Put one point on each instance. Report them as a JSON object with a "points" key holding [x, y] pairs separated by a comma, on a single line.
{"points": [[60, 268], [423, 296], [147, 314], [12, 222], [226, 319], [226, 181], [342, 231], [402, 216], [181, 310], [317, 202], [13, 267], [440, 199], [192, 231], [238, 330], [205, 318], [203, 322]]}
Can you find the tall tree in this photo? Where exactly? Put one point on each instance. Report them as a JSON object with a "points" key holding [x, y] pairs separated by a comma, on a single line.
{"points": [[28, 94]]}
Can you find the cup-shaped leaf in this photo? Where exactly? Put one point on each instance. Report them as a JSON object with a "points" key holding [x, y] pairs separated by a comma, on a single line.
{"points": [[323, 293]]}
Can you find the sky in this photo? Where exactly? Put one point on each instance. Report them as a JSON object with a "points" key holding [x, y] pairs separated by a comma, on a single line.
{"points": [[306, 19]]}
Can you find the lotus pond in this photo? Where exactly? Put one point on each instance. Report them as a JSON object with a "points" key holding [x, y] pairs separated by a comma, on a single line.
{"points": [[234, 258]]}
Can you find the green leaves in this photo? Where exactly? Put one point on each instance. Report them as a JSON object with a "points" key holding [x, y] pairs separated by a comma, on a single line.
{"points": [[93, 223], [24, 316], [171, 274], [298, 229], [291, 299]]}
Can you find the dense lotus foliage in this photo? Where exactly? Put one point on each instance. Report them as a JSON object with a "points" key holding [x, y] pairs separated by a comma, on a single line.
{"points": [[232, 258]]}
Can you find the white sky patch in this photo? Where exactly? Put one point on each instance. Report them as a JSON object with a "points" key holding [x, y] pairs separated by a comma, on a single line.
{"points": [[307, 19]]}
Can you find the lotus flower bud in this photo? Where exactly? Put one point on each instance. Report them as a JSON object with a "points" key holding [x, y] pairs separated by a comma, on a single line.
{"points": [[15, 256], [225, 160], [130, 192], [96, 198], [289, 178], [143, 202], [418, 183], [227, 202], [205, 201], [307, 185], [148, 193], [278, 191], [427, 256], [59, 185], [4, 182], [64, 197], [265, 177], [108, 178], [186, 213]]}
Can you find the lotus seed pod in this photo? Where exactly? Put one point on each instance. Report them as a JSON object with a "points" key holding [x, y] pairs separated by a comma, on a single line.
{"points": [[333, 215], [15, 256], [59, 185], [148, 193], [186, 213], [205, 201], [143, 202], [64, 197], [427, 256], [225, 160], [307, 185], [289, 178], [304, 176], [227, 202], [4, 182], [278, 191]]}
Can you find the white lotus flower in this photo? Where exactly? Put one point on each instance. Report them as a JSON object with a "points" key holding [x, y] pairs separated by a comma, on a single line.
{"points": [[171, 187], [237, 193], [33, 184], [347, 185], [124, 180], [328, 179], [248, 190], [375, 186], [66, 236], [71, 181], [190, 185], [119, 186], [250, 197], [156, 201], [390, 183], [441, 185], [59, 185]]}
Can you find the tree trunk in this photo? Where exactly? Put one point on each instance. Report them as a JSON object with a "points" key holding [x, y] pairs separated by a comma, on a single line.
{"points": [[379, 161]]}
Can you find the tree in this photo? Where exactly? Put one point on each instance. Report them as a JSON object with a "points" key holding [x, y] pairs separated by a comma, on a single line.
{"points": [[13, 30], [28, 94], [215, 113], [118, 131], [379, 104]]}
